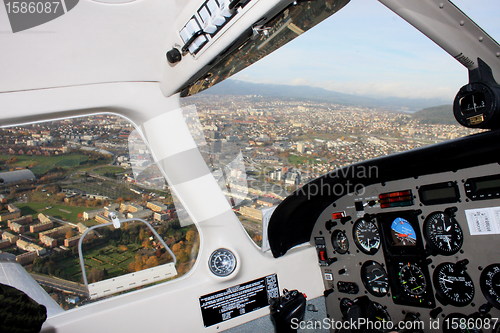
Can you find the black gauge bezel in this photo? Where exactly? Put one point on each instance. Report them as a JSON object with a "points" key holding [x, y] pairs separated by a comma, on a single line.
{"points": [[399, 292], [442, 295], [404, 287], [227, 272], [372, 250], [369, 284], [339, 249], [485, 288], [430, 236]]}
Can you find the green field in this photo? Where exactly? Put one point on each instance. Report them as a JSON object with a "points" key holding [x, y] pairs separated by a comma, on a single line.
{"points": [[41, 164], [103, 171], [67, 213], [298, 160]]}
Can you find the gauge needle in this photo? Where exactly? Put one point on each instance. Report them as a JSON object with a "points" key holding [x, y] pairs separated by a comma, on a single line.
{"points": [[448, 241], [376, 278]]}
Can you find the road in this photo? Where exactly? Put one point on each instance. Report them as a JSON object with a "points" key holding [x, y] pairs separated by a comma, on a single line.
{"points": [[60, 284]]}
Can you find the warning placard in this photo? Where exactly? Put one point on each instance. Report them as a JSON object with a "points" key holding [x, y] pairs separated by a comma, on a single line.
{"points": [[483, 221], [238, 300]]}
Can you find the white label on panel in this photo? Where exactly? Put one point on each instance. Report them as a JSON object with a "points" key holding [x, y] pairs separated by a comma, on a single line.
{"points": [[483, 221]]}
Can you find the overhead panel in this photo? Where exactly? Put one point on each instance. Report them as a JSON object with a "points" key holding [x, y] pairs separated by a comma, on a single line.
{"points": [[207, 22]]}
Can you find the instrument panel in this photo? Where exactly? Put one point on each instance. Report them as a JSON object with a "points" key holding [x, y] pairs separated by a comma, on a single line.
{"points": [[425, 248]]}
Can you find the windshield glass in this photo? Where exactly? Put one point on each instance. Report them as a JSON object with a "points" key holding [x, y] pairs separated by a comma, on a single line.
{"points": [[63, 184], [361, 84]]}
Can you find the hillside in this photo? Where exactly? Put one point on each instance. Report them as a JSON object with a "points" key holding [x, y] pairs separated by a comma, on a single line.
{"points": [[442, 114]]}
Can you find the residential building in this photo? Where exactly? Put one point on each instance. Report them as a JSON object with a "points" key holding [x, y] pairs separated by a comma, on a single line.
{"points": [[89, 215], [251, 212], [156, 206], [26, 258], [12, 213]]}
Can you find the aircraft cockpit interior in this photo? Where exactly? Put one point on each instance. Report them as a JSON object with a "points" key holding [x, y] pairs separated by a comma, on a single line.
{"points": [[154, 178]]}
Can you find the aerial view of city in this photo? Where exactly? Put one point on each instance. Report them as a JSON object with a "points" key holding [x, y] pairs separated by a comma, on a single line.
{"points": [[58, 179], [262, 148]]}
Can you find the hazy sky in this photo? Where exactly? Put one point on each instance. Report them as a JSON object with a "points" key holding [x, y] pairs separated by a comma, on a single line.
{"points": [[367, 49]]}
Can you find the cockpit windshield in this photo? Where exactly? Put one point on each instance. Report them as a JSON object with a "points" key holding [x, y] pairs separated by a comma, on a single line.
{"points": [[374, 89]]}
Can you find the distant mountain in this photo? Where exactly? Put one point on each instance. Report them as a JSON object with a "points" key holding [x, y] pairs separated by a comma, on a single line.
{"points": [[236, 87], [442, 114]]}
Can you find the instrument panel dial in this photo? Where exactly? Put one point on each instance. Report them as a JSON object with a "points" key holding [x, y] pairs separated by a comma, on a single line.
{"points": [[374, 278], [366, 236], [443, 233], [412, 280], [340, 242], [453, 285], [490, 284]]}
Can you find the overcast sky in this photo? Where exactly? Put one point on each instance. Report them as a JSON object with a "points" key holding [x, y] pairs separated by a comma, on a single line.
{"points": [[366, 49]]}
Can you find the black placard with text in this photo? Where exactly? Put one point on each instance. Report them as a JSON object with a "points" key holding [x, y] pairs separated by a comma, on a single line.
{"points": [[235, 301]]}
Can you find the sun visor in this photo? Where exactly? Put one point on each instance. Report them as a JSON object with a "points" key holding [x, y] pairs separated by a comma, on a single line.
{"points": [[262, 38]]}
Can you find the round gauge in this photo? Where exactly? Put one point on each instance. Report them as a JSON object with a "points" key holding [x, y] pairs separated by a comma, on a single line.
{"points": [[412, 279], [458, 322], [490, 284], [374, 278], [475, 105], [222, 262], [453, 285], [403, 233], [380, 313], [366, 236], [340, 242], [443, 233], [363, 307]]}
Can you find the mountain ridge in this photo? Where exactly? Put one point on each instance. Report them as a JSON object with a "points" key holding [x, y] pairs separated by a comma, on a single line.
{"points": [[237, 87]]}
